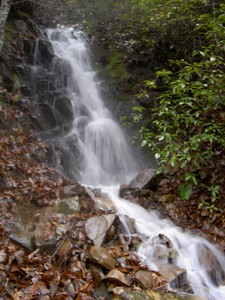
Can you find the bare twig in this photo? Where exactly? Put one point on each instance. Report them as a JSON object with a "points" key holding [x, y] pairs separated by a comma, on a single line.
{"points": [[7, 289]]}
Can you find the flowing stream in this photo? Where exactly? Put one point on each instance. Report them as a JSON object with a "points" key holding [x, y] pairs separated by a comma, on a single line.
{"points": [[96, 153]]}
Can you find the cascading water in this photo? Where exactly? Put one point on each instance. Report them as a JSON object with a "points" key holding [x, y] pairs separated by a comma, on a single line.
{"points": [[97, 154], [103, 154]]}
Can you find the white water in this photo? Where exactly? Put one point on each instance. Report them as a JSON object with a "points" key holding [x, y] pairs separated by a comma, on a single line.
{"points": [[104, 156], [106, 161]]}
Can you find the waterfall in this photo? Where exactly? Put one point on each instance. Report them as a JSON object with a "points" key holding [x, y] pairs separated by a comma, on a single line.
{"points": [[100, 151], [95, 152]]}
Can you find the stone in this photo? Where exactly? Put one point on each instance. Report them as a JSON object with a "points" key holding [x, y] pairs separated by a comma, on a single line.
{"points": [[117, 277], [145, 279], [174, 276], [97, 273], [69, 206], [127, 225], [3, 256], [69, 191], [39, 233], [65, 248], [87, 205], [163, 249], [24, 239], [152, 295], [45, 51], [146, 179], [104, 203], [142, 180], [103, 257], [40, 240], [97, 228], [212, 266]]}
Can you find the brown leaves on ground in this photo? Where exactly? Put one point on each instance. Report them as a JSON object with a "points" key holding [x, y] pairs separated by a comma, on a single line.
{"points": [[65, 273], [32, 276], [186, 214], [24, 175], [25, 178]]}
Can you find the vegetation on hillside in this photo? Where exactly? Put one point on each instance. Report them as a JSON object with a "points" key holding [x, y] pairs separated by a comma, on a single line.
{"points": [[189, 117], [173, 56], [174, 51]]}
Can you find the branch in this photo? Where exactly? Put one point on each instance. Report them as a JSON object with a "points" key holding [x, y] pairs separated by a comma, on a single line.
{"points": [[7, 289], [4, 11]]}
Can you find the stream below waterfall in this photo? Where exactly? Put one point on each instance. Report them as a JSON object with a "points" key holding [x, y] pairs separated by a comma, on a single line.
{"points": [[95, 152]]}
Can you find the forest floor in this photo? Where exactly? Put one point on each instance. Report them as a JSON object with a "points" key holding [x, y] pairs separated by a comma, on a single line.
{"points": [[27, 178]]}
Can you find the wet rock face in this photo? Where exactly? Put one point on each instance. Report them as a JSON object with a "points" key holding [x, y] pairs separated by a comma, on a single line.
{"points": [[13, 57], [47, 77], [163, 248], [142, 188], [141, 181], [175, 276], [160, 248], [44, 52], [212, 265]]}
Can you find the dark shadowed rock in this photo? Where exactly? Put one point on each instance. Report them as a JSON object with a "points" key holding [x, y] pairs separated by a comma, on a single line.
{"points": [[146, 179], [142, 180], [45, 51], [97, 273], [211, 265], [175, 276]]}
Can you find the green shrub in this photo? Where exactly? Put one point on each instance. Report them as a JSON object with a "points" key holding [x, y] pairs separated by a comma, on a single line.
{"points": [[189, 118]]}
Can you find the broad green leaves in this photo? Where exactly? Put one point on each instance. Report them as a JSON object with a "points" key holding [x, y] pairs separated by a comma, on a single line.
{"points": [[189, 118]]}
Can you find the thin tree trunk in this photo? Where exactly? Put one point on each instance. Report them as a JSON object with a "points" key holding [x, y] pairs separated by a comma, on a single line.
{"points": [[4, 11]]}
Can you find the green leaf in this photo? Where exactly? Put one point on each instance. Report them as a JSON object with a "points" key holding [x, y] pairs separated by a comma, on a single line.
{"points": [[185, 191]]}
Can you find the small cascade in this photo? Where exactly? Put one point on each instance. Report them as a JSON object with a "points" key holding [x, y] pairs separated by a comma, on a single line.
{"points": [[94, 151], [204, 263]]}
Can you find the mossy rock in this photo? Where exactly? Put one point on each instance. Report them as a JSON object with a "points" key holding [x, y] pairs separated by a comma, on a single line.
{"points": [[23, 15], [116, 67], [9, 32]]}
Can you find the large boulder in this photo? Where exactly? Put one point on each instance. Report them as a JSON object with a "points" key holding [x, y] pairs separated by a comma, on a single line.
{"points": [[98, 227], [213, 267], [146, 180], [175, 277], [43, 52], [102, 256]]}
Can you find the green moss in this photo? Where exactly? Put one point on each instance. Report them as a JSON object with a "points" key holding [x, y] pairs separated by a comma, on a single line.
{"points": [[23, 15], [1, 101], [16, 81], [9, 32], [116, 67]]}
